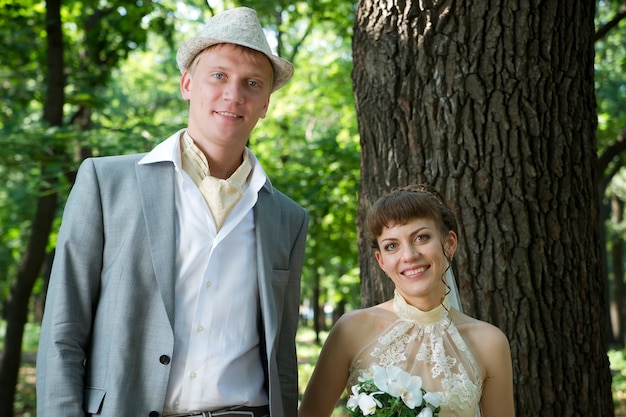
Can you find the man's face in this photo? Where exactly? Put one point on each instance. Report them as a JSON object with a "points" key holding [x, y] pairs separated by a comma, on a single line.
{"points": [[228, 89]]}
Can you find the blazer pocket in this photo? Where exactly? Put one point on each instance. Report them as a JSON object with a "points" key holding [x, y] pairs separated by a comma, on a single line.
{"points": [[94, 398], [280, 276]]}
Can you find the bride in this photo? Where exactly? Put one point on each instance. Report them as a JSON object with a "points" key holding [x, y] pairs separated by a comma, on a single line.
{"points": [[465, 361]]}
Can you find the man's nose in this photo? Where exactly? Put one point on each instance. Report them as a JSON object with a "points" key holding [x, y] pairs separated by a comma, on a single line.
{"points": [[234, 92]]}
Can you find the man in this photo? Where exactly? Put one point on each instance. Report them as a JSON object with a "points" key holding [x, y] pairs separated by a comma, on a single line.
{"points": [[176, 282]]}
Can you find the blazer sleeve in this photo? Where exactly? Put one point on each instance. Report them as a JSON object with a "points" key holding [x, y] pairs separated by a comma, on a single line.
{"points": [[286, 353], [71, 300]]}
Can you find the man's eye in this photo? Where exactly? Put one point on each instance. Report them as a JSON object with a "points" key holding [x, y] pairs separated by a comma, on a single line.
{"points": [[219, 76], [253, 83]]}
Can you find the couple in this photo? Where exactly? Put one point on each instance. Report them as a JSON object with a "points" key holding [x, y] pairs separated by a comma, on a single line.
{"points": [[148, 312]]}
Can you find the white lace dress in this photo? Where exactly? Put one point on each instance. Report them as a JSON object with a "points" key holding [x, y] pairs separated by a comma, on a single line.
{"points": [[427, 344]]}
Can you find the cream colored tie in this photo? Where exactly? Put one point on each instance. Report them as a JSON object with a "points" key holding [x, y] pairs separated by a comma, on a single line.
{"points": [[220, 195]]}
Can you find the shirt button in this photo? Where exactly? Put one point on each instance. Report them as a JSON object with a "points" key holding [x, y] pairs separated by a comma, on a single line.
{"points": [[164, 359], [200, 329], [193, 375], [208, 284]]}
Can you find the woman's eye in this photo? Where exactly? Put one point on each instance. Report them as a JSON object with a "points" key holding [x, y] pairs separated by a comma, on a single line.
{"points": [[391, 246], [421, 238], [218, 75]]}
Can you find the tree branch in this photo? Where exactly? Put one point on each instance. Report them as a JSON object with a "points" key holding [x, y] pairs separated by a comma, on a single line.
{"points": [[606, 28], [609, 154]]}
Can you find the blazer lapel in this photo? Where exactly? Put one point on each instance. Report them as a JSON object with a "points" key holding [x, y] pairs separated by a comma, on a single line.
{"points": [[156, 188]]}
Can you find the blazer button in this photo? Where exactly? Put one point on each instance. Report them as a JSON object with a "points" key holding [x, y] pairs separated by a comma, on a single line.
{"points": [[154, 414], [165, 360]]}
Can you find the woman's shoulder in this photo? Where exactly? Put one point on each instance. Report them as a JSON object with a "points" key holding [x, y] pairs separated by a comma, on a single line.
{"points": [[369, 315], [478, 330], [360, 325], [365, 317], [487, 341]]}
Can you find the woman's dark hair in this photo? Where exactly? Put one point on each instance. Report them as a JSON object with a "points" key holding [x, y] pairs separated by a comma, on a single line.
{"points": [[406, 203]]}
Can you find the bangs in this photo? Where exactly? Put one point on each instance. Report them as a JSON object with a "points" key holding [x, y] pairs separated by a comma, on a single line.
{"points": [[405, 204]]}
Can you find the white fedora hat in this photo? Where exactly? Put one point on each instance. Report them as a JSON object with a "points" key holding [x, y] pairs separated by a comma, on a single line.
{"points": [[239, 26]]}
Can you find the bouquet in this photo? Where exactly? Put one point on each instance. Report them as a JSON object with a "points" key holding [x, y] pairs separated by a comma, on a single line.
{"points": [[392, 393]]}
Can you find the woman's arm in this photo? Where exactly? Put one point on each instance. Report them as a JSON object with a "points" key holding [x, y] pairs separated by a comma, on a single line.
{"points": [[497, 399], [331, 371]]}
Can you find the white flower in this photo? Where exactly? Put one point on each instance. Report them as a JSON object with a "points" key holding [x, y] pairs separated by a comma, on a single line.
{"points": [[389, 379], [399, 383], [411, 393], [426, 412], [368, 404], [353, 401], [433, 399], [380, 396]]}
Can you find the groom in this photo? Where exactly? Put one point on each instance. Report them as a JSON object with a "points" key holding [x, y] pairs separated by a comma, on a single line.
{"points": [[176, 283]]}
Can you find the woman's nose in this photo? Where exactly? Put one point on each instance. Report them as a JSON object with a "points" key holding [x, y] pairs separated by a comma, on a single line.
{"points": [[410, 252]]}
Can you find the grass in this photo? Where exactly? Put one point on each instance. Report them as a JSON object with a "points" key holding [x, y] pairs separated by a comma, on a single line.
{"points": [[308, 352], [617, 359], [25, 399]]}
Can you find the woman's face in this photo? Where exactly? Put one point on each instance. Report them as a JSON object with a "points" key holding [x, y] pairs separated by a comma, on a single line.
{"points": [[412, 255]]}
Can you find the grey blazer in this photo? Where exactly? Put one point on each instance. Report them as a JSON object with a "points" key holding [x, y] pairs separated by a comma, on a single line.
{"points": [[106, 338]]}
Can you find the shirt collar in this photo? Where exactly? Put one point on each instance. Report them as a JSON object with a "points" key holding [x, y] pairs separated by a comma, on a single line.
{"points": [[169, 151]]}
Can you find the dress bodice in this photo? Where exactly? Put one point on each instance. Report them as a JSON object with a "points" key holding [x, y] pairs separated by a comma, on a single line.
{"points": [[428, 344]]}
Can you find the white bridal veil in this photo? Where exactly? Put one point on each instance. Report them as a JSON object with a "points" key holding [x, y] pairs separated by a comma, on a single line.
{"points": [[453, 295], [455, 301]]}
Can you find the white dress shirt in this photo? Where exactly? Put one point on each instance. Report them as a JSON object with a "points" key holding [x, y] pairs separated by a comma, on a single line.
{"points": [[216, 361]]}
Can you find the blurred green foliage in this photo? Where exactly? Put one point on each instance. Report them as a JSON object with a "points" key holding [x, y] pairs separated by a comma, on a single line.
{"points": [[122, 96]]}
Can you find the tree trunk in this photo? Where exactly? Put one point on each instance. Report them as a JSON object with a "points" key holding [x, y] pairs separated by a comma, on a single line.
{"points": [[494, 104], [318, 310], [617, 262], [30, 266], [17, 306]]}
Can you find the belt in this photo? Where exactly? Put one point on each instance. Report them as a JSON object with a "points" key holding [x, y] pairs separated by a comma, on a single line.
{"points": [[237, 411]]}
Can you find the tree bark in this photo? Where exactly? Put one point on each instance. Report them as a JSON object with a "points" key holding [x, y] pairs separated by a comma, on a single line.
{"points": [[493, 103], [30, 266]]}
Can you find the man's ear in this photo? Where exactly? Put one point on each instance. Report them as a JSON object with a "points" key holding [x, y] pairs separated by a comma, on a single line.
{"points": [[185, 85], [267, 105]]}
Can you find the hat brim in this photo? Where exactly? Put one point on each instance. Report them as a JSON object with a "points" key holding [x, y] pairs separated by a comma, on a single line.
{"points": [[188, 50]]}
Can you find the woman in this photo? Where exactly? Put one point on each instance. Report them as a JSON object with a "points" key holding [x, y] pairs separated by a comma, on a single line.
{"points": [[467, 362]]}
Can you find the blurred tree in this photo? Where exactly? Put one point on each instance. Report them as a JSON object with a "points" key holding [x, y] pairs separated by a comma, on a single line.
{"points": [[129, 100], [494, 105], [610, 79], [17, 305], [102, 38], [121, 102]]}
